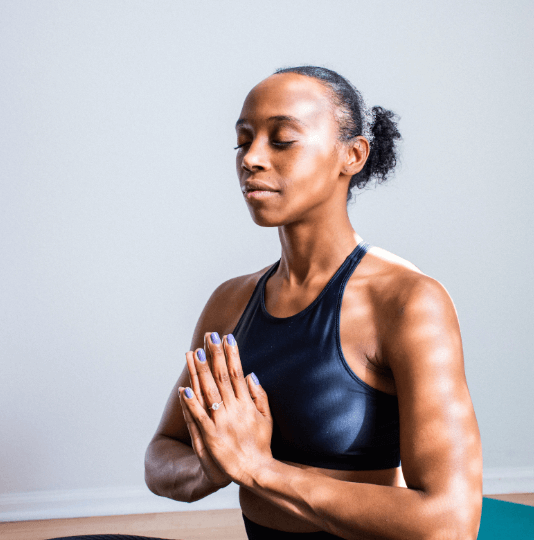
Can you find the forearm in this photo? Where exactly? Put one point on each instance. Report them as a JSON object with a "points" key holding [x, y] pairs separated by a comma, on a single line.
{"points": [[172, 470], [354, 510]]}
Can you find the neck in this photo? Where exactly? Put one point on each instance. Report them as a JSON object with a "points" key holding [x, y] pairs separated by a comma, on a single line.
{"points": [[315, 248]]}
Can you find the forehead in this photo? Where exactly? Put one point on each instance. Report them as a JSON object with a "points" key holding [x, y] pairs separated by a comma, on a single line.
{"points": [[288, 94]]}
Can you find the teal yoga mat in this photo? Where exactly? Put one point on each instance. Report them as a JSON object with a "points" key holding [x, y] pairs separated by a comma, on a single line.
{"points": [[503, 520]]}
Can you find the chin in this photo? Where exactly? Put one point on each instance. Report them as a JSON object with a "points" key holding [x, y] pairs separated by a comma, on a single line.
{"points": [[264, 219]]}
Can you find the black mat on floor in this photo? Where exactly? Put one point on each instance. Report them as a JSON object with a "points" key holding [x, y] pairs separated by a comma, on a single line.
{"points": [[107, 537]]}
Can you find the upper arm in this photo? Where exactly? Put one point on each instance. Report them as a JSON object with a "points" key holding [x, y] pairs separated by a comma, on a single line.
{"points": [[439, 438], [218, 313]]}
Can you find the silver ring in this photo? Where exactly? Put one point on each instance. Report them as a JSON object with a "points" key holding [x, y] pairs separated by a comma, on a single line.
{"points": [[215, 406]]}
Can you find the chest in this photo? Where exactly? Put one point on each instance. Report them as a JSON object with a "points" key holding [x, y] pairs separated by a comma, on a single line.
{"points": [[361, 327], [323, 412]]}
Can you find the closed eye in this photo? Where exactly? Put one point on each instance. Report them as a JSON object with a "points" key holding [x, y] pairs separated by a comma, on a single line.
{"points": [[283, 143], [240, 146]]}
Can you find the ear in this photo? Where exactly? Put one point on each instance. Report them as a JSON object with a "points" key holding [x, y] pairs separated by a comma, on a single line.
{"points": [[357, 154]]}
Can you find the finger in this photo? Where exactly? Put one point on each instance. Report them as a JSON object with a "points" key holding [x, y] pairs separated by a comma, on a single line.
{"points": [[198, 413], [258, 395], [193, 375], [218, 367], [197, 442], [191, 425], [208, 387], [235, 370], [207, 349]]}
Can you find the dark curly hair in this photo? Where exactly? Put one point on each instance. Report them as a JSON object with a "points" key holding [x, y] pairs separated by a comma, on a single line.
{"points": [[352, 116]]}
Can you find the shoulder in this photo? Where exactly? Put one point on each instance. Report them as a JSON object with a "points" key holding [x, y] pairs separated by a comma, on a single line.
{"points": [[225, 306], [237, 290], [400, 285], [406, 302]]}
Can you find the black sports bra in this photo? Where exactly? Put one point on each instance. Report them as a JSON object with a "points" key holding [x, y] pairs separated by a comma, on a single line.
{"points": [[324, 414]]}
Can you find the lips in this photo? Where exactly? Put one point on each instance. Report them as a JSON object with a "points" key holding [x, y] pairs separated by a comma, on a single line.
{"points": [[260, 194], [256, 186]]}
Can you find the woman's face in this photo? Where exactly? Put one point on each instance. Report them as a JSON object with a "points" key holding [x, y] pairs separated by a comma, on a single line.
{"points": [[288, 142]]}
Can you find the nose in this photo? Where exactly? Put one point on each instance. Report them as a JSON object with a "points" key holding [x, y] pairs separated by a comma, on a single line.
{"points": [[255, 157]]}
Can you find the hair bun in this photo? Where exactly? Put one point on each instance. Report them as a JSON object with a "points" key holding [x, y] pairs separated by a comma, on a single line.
{"points": [[383, 153]]}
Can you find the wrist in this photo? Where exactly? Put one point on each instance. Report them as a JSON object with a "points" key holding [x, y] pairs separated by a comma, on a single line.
{"points": [[208, 481], [204, 486], [222, 484], [258, 476]]}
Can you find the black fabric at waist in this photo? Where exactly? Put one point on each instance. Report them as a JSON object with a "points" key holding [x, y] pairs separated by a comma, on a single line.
{"points": [[260, 532], [368, 462]]}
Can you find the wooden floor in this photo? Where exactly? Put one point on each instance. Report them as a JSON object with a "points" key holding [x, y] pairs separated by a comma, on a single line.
{"points": [[520, 498], [193, 525]]}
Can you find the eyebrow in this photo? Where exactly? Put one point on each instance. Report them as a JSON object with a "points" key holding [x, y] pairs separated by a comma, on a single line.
{"points": [[281, 118]]}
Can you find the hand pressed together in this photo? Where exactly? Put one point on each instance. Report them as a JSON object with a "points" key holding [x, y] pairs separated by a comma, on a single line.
{"points": [[233, 441]]}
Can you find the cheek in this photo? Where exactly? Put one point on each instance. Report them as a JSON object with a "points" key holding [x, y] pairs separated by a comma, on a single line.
{"points": [[315, 161]]}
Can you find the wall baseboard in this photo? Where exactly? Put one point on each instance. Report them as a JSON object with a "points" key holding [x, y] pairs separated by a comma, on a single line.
{"points": [[139, 500], [508, 480]]}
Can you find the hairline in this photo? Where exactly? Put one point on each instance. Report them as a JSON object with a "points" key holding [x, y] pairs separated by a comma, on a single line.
{"points": [[333, 100]]}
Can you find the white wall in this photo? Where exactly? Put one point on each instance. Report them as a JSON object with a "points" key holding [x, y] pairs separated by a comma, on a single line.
{"points": [[121, 211]]}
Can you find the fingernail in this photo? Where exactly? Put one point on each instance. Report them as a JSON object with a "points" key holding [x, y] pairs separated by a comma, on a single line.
{"points": [[201, 355], [254, 378], [215, 338], [189, 392], [230, 339]]}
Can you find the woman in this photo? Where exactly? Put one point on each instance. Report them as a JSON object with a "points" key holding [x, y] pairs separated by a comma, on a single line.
{"points": [[353, 356]]}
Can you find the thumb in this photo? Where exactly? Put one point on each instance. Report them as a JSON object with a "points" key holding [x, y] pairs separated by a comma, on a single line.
{"points": [[258, 395]]}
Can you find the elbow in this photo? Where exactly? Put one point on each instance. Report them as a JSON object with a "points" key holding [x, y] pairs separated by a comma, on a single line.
{"points": [[460, 523], [150, 484], [150, 481], [453, 514], [453, 531], [156, 475], [466, 525], [150, 478], [162, 488], [161, 479]]}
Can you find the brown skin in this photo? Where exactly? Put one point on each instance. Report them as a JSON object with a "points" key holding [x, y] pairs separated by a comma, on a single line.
{"points": [[407, 343]]}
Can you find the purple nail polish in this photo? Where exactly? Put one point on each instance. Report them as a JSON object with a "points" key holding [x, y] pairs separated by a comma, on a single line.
{"points": [[254, 378], [189, 392], [230, 339], [215, 338], [201, 355]]}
